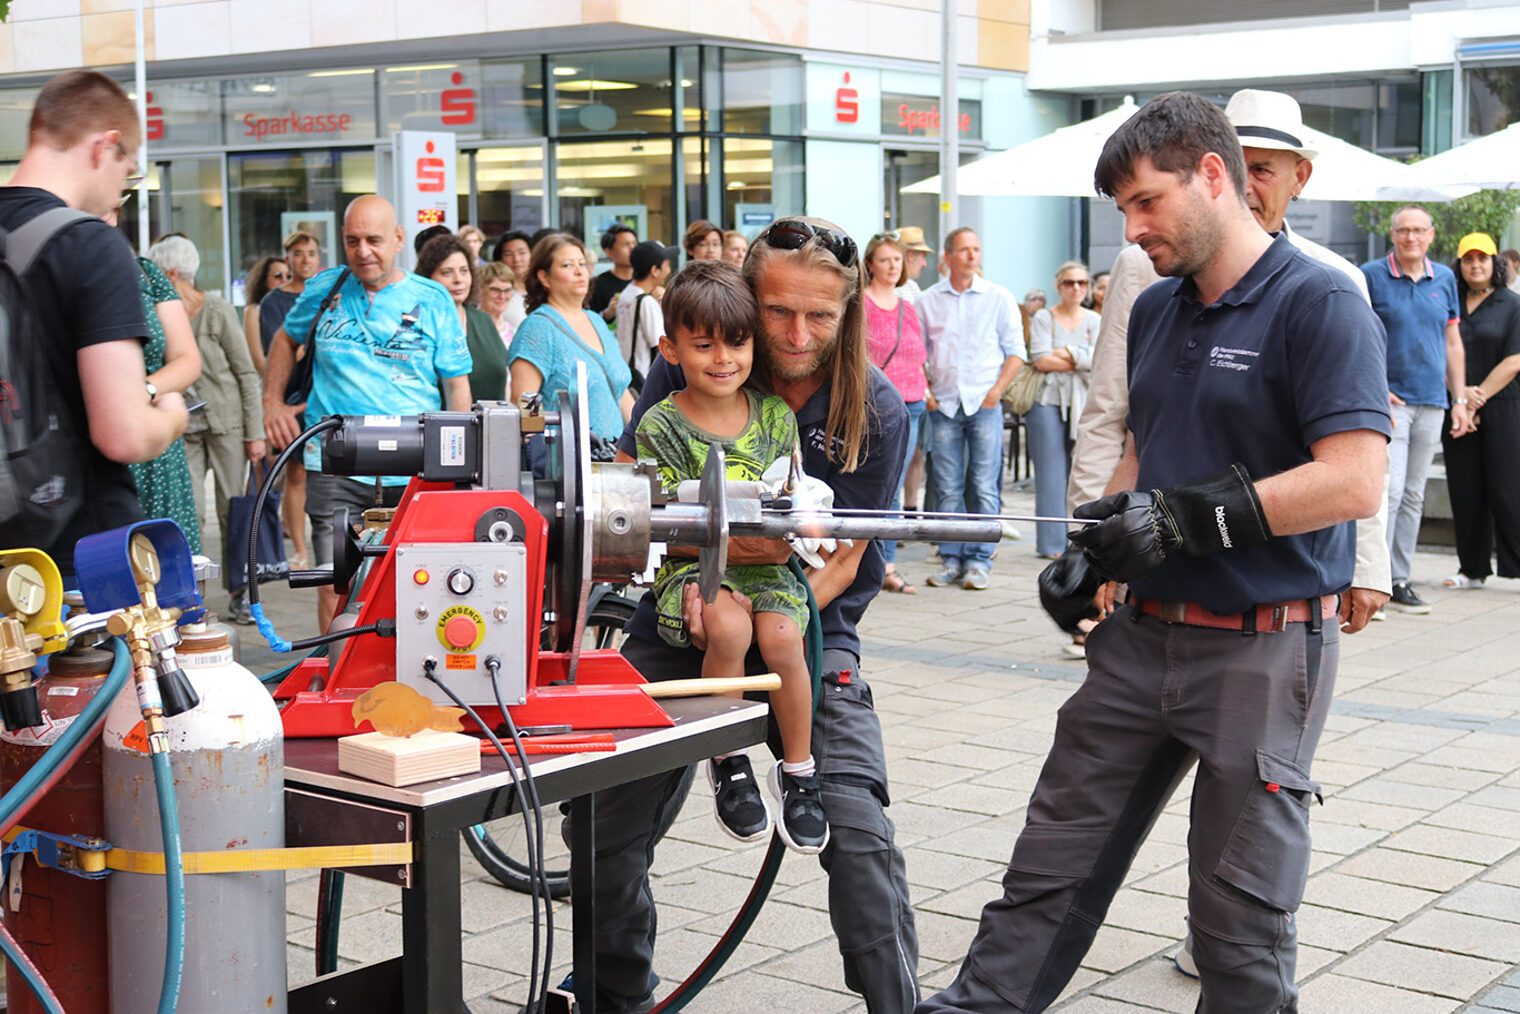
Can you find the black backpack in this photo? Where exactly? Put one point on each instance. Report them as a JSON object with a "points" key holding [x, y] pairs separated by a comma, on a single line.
{"points": [[42, 471]]}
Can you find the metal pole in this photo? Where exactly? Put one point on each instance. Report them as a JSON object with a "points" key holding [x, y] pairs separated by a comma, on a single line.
{"points": [[949, 119], [142, 129]]}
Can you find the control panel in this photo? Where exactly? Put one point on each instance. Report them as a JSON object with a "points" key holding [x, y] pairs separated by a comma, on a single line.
{"points": [[461, 604]]}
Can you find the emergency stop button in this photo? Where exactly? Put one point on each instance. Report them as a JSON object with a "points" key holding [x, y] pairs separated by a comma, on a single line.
{"points": [[459, 633]]}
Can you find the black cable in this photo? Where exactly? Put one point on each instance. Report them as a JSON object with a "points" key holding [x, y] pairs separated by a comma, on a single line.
{"points": [[331, 422], [538, 873], [428, 667], [385, 628]]}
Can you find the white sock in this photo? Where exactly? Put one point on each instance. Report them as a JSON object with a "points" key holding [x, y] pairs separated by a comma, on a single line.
{"points": [[801, 769]]}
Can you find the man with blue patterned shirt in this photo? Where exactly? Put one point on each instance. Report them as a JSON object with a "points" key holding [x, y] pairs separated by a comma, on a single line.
{"points": [[383, 347]]}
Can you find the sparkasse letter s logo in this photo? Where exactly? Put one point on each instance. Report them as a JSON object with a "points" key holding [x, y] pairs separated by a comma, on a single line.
{"points": [[458, 104], [847, 103], [155, 118], [430, 177]]}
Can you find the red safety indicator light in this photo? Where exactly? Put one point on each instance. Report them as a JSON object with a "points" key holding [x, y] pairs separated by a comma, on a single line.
{"points": [[421, 577]]}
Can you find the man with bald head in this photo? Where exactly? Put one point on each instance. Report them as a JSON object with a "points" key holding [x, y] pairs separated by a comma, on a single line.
{"points": [[385, 344]]}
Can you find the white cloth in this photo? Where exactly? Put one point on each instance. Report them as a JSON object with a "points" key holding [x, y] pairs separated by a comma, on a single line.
{"points": [[969, 335], [651, 327], [909, 290], [516, 310]]}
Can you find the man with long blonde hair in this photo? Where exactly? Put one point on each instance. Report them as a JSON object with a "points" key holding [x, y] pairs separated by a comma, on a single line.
{"points": [[807, 280]]}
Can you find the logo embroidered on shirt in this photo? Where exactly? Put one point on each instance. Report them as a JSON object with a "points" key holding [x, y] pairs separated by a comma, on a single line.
{"points": [[1226, 358]]}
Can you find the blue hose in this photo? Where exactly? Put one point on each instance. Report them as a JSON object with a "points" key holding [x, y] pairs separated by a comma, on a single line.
{"points": [[29, 973], [174, 879], [80, 731]]}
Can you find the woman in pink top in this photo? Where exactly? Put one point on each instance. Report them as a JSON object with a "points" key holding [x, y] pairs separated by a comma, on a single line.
{"points": [[897, 346]]}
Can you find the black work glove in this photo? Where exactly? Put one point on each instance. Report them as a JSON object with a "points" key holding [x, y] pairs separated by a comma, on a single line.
{"points": [[1140, 530], [1067, 588]]}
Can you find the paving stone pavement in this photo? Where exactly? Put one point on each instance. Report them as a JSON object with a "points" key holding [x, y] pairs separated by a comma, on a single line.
{"points": [[1413, 903]]}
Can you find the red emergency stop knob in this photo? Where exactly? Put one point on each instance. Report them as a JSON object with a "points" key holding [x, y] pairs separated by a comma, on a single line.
{"points": [[460, 632]]}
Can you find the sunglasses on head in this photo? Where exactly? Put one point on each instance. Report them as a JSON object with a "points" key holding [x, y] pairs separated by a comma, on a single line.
{"points": [[793, 234]]}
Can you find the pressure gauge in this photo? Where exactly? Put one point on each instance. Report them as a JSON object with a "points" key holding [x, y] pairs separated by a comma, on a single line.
{"points": [[460, 581], [144, 559]]}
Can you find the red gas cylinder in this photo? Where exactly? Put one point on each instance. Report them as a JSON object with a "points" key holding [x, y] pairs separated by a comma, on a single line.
{"points": [[61, 919]]}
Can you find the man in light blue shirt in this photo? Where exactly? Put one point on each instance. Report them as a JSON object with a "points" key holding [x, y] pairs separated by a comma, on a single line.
{"points": [[976, 347], [385, 346]]}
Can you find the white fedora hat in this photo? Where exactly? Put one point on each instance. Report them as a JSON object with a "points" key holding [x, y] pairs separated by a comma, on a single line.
{"points": [[1268, 120]]}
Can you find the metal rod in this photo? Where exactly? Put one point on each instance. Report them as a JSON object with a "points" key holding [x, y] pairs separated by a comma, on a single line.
{"points": [[824, 526], [944, 515]]}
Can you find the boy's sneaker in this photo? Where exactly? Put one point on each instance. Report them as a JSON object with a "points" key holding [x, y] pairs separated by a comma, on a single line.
{"points": [[1405, 600], [803, 826], [737, 801]]}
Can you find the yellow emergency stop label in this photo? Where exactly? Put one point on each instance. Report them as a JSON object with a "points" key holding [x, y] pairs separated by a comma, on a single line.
{"points": [[470, 613]]}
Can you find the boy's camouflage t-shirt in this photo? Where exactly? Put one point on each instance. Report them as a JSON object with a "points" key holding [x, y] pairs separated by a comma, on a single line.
{"points": [[679, 446]]}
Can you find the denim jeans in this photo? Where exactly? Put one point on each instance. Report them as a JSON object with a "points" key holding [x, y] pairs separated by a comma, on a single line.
{"points": [[915, 417], [1416, 438], [1049, 451], [968, 451]]}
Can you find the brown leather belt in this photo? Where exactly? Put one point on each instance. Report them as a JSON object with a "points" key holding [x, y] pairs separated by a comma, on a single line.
{"points": [[1265, 618]]}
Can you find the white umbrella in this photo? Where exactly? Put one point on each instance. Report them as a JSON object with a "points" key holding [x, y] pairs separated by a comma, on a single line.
{"points": [[1491, 162], [1061, 164]]}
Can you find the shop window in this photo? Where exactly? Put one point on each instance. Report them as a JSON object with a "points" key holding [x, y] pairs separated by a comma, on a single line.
{"points": [[185, 195], [762, 92], [15, 114], [183, 114], [626, 92], [269, 194], [600, 182], [1493, 99], [512, 97], [1399, 116], [331, 106], [762, 181], [432, 96], [1343, 109], [509, 189]]}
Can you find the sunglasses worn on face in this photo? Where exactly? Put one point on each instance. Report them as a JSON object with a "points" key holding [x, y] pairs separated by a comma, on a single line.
{"points": [[793, 234], [1074, 282]]}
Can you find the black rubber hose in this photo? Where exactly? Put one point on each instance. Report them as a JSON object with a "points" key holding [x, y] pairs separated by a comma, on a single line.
{"points": [[329, 918]]}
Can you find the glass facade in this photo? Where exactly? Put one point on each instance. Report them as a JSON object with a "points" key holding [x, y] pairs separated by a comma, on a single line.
{"points": [[655, 136], [1492, 99]]}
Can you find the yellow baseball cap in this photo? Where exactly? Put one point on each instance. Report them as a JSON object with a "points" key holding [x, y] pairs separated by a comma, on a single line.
{"points": [[1479, 241]]}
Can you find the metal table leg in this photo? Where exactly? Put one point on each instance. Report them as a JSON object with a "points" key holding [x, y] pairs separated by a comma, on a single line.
{"points": [[432, 967], [583, 899]]}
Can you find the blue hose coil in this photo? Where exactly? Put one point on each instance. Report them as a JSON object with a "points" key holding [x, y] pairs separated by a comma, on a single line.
{"points": [[266, 627]]}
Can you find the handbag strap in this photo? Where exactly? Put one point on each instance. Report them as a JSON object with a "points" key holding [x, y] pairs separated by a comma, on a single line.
{"points": [[554, 318], [898, 342], [633, 345], [327, 304]]}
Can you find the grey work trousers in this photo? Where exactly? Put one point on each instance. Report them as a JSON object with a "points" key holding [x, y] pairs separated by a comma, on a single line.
{"points": [[222, 454], [1158, 697], [868, 887]]}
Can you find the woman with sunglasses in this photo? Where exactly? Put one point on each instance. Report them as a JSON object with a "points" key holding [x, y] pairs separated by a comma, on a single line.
{"points": [[1060, 346], [267, 273], [897, 346]]}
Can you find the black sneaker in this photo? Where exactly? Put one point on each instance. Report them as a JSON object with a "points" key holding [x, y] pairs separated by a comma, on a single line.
{"points": [[1405, 600], [803, 826], [737, 801]]}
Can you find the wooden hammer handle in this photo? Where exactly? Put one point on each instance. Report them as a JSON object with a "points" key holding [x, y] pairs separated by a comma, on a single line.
{"points": [[714, 685]]}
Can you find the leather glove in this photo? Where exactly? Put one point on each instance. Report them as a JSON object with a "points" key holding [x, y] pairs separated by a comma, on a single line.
{"points": [[1067, 588], [1140, 530], [809, 496]]}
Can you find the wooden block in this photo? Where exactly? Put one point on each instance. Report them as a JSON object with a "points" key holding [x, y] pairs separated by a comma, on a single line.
{"points": [[406, 760]]}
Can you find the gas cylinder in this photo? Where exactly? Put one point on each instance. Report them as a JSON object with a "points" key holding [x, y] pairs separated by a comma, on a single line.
{"points": [[60, 919], [206, 571], [229, 772]]}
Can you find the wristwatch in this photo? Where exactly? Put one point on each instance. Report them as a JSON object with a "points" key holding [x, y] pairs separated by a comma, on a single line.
{"points": [[152, 392]]}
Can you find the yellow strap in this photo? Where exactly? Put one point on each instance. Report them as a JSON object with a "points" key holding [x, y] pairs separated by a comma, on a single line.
{"points": [[250, 860], [244, 860]]}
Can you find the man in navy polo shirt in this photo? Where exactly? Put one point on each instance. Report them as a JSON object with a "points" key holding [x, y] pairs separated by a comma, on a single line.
{"points": [[806, 276], [1417, 302], [1257, 432]]}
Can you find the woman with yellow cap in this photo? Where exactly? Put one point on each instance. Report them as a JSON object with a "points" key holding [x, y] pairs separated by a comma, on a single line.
{"points": [[1480, 473]]}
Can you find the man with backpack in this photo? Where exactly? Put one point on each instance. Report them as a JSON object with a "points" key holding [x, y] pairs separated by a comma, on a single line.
{"points": [[640, 322], [77, 407]]}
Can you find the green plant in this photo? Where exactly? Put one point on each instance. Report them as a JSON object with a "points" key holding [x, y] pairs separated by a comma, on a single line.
{"points": [[1489, 211]]}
